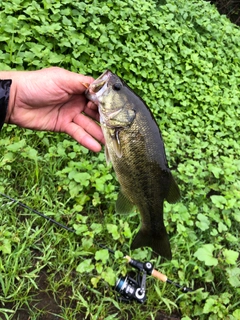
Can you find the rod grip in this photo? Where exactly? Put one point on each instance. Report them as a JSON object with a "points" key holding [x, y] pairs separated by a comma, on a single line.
{"points": [[159, 275], [128, 258]]}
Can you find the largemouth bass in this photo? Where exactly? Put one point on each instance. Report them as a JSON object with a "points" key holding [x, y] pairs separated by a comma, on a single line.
{"points": [[135, 147]]}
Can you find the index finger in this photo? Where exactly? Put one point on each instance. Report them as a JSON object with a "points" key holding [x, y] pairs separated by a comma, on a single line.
{"points": [[91, 105], [71, 82]]}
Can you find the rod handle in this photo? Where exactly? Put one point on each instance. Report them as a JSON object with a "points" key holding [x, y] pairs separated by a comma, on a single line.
{"points": [[159, 275]]}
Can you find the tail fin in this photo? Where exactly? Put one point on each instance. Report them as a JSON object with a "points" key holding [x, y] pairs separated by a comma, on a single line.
{"points": [[159, 243]]}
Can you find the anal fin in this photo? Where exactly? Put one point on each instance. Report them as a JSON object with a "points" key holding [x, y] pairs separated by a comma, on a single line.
{"points": [[174, 192], [123, 204]]}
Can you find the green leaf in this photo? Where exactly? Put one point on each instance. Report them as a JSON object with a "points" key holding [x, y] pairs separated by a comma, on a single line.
{"points": [[103, 39], [209, 305], [237, 215], [236, 314], [94, 281], [17, 145], [113, 230], [127, 231], [215, 170], [102, 255], [80, 228], [5, 246], [222, 227], [205, 254], [234, 276], [85, 266], [231, 256], [118, 254], [74, 189], [219, 201], [31, 153], [96, 227], [81, 177], [109, 276], [87, 243], [203, 222]]}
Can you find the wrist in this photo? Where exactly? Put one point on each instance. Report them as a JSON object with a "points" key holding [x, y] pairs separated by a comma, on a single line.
{"points": [[11, 76]]}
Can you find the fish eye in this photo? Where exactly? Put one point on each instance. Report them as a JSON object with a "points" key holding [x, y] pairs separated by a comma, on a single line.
{"points": [[117, 86]]}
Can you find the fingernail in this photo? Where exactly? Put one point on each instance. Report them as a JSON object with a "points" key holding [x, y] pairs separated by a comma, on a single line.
{"points": [[85, 84]]}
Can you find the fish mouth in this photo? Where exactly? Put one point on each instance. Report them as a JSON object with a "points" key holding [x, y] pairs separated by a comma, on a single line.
{"points": [[98, 86]]}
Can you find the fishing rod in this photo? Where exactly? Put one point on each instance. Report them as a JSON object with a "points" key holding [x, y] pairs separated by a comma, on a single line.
{"points": [[20, 204], [129, 289]]}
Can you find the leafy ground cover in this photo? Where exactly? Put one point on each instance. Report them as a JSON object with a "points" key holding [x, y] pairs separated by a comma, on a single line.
{"points": [[183, 59], [230, 8]]}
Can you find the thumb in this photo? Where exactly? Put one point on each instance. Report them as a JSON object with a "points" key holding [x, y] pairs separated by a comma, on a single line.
{"points": [[72, 82]]}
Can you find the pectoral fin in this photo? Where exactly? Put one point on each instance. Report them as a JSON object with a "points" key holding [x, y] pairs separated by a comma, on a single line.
{"points": [[123, 204], [117, 144], [107, 156]]}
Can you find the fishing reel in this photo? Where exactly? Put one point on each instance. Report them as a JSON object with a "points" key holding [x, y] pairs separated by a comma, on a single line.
{"points": [[130, 289]]}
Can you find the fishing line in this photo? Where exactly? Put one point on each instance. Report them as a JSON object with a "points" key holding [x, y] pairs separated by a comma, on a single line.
{"points": [[128, 288], [20, 204]]}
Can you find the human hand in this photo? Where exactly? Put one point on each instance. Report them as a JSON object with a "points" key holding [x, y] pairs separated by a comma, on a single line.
{"points": [[53, 99]]}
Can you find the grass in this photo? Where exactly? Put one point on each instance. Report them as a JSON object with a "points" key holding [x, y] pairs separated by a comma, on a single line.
{"points": [[39, 262]]}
